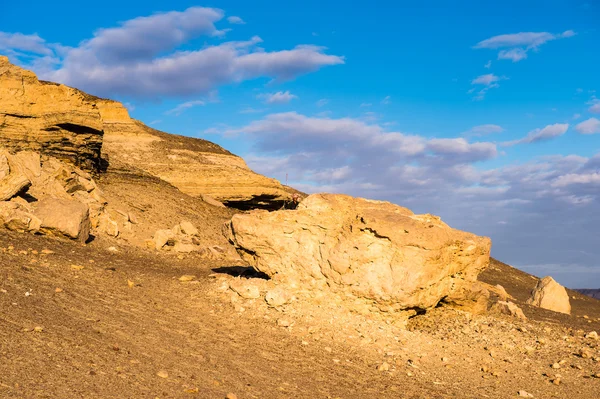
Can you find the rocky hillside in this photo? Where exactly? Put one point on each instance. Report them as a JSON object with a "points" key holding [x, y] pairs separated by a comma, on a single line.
{"points": [[68, 124]]}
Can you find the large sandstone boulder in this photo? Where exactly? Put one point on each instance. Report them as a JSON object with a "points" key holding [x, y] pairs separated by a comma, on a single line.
{"points": [[375, 250], [548, 294], [62, 217], [48, 118]]}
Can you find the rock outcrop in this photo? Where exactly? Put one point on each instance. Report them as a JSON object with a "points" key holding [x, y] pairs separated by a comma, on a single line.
{"points": [[196, 167], [48, 118], [42, 194], [72, 126], [372, 249], [548, 294]]}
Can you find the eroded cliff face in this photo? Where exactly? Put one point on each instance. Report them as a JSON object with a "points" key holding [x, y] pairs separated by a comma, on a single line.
{"points": [[48, 118], [68, 124], [197, 167]]}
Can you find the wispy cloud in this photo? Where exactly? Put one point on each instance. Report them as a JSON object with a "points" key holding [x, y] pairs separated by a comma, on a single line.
{"points": [[488, 64], [365, 105], [280, 97], [235, 20], [386, 100], [322, 102], [589, 126], [483, 130], [515, 46], [594, 104], [178, 110], [544, 134], [489, 81], [250, 110]]}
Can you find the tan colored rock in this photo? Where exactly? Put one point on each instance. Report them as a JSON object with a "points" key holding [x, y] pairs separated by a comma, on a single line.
{"points": [[4, 166], [17, 217], [48, 118], [188, 228], [61, 217], [161, 237], [373, 249], [211, 201], [13, 185], [548, 294], [468, 296], [509, 308], [278, 296]]}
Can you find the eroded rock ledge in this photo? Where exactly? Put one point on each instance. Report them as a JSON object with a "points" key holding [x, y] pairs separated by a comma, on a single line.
{"points": [[48, 118]]}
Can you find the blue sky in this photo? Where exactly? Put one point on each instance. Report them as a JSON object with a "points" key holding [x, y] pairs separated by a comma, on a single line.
{"points": [[485, 114]]}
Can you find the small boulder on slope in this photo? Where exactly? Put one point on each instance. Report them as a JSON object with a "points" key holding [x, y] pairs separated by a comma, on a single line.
{"points": [[548, 294]]}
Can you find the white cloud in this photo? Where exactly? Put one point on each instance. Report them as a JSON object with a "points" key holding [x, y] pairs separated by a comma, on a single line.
{"points": [[235, 20], [178, 110], [594, 106], [577, 178], [515, 54], [589, 126], [364, 105], [515, 46], [482, 130], [322, 102], [281, 97], [486, 79], [27, 43], [488, 64], [142, 57], [386, 100], [489, 81], [546, 133]]}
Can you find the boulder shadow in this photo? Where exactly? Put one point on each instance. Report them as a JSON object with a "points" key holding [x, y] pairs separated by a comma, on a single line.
{"points": [[241, 271]]}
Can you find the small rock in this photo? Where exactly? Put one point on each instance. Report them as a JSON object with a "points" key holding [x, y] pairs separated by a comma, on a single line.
{"points": [[584, 353], [277, 297], [525, 394], [283, 323], [592, 335], [162, 374], [555, 366], [38, 329], [188, 228], [245, 289], [58, 290], [187, 278], [231, 396], [383, 367], [555, 381], [77, 267]]}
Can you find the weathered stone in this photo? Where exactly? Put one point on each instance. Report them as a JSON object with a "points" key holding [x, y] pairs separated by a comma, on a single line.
{"points": [[245, 288], [548, 294], [472, 297], [372, 249], [161, 237], [509, 308], [277, 296], [13, 185], [4, 166], [211, 201], [61, 217], [188, 228], [48, 118]]}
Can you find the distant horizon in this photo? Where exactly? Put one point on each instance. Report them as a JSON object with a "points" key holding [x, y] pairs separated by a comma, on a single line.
{"points": [[486, 115]]}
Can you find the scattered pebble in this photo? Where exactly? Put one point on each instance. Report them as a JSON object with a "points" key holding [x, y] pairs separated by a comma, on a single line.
{"points": [[162, 374]]}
